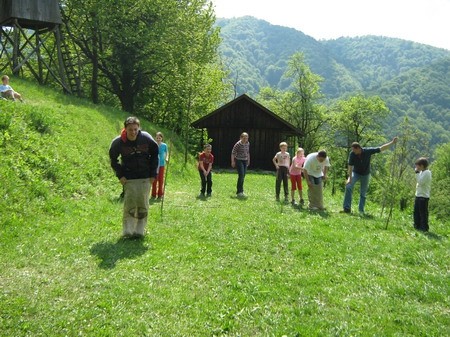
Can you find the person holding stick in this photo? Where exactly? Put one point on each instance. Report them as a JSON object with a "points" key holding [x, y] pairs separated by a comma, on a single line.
{"points": [[158, 183]]}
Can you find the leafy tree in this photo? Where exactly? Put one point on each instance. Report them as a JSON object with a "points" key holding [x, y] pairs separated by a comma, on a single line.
{"points": [[355, 119], [399, 187], [138, 51], [299, 104], [439, 201]]}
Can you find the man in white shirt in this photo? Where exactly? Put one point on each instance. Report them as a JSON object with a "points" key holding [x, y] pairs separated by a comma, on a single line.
{"points": [[315, 171]]}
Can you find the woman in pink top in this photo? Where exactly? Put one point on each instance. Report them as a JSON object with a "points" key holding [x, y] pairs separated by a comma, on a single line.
{"points": [[295, 173]]}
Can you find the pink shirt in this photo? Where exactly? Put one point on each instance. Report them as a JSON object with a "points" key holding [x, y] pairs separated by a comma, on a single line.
{"points": [[296, 166]]}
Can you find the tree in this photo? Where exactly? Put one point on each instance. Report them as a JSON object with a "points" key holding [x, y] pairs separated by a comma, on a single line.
{"points": [[356, 119], [439, 201], [137, 48], [399, 187], [299, 103]]}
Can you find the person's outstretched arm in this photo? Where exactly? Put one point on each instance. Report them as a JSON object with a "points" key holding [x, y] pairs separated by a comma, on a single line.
{"points": [[388, 145]]}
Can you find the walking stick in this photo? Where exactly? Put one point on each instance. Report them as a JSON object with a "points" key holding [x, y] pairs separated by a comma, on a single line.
{"points": [[165, 179], [391, 187]]}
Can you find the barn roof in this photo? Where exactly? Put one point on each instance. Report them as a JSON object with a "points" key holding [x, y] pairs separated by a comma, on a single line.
{"points": [[208, 121]]}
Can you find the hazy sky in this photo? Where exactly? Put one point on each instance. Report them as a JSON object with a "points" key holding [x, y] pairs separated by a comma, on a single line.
{"points": [[423, 21]]}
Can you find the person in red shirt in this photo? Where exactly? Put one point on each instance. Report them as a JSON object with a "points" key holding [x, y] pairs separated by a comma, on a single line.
{"points": [[205, 162]]}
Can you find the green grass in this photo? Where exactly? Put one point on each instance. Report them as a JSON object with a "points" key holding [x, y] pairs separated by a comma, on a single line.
{"points": [[214, 267]]}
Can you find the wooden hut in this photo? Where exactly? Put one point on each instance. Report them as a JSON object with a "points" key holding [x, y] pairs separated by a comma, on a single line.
{"points": [[243, 114]]}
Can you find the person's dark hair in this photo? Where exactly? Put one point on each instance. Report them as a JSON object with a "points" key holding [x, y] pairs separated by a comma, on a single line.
{"points": [[322, 154], [355, 145], [131, 120], [422, 161]]}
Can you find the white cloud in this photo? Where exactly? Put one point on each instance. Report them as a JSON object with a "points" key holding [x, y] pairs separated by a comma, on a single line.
{"points": [[423, 21]]}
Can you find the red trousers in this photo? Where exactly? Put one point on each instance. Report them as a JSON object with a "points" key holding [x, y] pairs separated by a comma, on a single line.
{"points": [[158, 182]]}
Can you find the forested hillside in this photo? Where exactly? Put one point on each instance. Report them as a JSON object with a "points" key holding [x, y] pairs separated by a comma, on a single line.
{"points": [[412, 78]]}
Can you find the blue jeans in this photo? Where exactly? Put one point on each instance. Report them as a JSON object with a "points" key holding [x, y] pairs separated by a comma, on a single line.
{"points": [[364, 181], [241, 166]]}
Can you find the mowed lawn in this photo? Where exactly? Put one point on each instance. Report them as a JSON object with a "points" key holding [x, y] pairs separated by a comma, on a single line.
{"points": [[222, 266]]}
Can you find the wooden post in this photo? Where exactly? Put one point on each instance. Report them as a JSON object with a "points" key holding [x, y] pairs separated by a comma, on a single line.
{"points": [[16, 50], [61, 68]]}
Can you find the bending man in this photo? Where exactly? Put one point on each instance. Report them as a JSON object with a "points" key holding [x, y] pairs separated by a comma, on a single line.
{"points": [[359, 170]]}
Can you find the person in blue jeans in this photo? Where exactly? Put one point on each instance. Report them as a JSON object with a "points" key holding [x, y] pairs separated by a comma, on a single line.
{"points": [[359, 170]]}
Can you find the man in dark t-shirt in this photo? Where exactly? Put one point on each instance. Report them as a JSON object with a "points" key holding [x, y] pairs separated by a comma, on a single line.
{"points": [[359, 170], [136, 171]]}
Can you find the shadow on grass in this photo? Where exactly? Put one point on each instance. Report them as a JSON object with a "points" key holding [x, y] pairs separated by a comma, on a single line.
{"points": [[322, 213], [433, 236], [110, 253], [235, 197]]}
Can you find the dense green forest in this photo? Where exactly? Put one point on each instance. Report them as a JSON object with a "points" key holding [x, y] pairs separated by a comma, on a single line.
{"points": [[413, 79]]}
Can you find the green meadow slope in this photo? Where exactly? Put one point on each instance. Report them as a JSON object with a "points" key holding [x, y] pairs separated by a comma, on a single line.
{"points": [[215, 267]]}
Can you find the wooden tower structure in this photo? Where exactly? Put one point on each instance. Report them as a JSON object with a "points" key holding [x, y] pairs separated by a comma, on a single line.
{"points": [[26, 28]]}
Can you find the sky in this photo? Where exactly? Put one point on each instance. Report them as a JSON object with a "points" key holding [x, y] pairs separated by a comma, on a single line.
{"points": [[423, 21]]}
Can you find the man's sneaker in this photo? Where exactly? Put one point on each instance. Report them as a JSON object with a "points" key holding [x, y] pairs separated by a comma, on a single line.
{"points": [[346, 210]]}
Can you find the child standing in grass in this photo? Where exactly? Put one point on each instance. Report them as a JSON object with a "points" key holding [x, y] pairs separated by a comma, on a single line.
{"points": [[281, 160], [295, 173], [158, 183], [205, 163], [423, 189]]}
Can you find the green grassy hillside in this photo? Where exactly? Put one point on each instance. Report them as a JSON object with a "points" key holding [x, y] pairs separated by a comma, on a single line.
{"points": [[215, 267]]}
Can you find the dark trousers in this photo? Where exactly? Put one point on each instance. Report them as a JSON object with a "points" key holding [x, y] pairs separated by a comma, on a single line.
{"points": [[421, 214], [241, 166], [206, 182], [282, 176]]}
